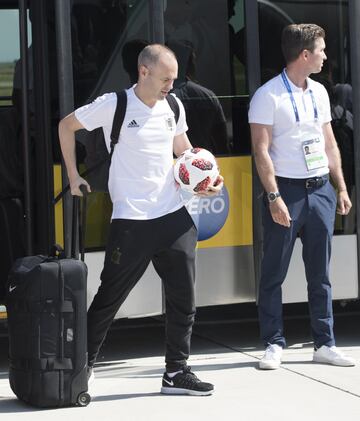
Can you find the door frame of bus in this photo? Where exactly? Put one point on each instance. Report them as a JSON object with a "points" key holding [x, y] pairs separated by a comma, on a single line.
{"points": [[354, 29], [38, 177], [254, 81], [66, 102], [156, 21], [44, 171], [28, 208]]}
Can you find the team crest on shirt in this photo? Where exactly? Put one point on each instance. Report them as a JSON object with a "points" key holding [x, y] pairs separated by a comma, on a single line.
{"points": [[169, 122]]}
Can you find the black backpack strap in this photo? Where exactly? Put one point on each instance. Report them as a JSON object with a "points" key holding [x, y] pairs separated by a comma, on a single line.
{"points": [[118, 118], [174, 106]]}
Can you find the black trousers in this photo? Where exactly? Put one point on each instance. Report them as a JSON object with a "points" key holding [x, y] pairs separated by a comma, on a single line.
{"points": [[169, 242]]}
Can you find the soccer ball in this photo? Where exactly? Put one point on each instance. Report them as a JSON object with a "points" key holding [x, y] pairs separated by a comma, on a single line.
{"points": [[195, 170]]}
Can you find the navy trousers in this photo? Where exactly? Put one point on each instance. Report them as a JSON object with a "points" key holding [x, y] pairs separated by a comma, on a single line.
{"points": [[313, 214], [169, 242]]}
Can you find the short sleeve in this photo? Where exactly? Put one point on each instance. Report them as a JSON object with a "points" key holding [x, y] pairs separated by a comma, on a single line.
{"points": [[181, 125], [99, 113]]}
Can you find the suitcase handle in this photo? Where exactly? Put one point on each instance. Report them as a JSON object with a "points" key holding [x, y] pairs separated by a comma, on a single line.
{"points": [[82, 223]]}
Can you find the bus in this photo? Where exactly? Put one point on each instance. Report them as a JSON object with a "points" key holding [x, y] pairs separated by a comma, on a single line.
{"points": [[61, 54]]}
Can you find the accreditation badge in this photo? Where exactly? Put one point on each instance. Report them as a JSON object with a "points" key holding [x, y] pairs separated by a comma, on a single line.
{"points": [[313, 154]]}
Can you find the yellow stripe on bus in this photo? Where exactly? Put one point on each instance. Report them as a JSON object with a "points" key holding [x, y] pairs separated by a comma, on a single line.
{"points": [[237, 230], [59, 230]]}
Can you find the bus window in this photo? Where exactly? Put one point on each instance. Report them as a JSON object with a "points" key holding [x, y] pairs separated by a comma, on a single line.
{"points": [[99, 32], [11, 163], [207, 38], [335, 76], [9, 52]]}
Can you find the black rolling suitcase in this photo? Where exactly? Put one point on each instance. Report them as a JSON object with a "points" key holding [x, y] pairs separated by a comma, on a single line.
{"points": [[46, 305]]}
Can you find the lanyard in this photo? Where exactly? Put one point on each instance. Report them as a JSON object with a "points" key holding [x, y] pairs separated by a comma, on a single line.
{"points": [[296, 112]]}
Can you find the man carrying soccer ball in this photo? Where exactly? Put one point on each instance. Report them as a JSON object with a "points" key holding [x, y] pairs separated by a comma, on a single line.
{"points": [[146, 201]]}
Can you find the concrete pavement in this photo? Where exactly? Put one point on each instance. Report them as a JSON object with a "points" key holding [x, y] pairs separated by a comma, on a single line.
{"points": [[128, 378]]}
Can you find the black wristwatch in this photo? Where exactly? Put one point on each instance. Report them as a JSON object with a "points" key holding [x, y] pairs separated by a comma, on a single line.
{"points": [[272, 196]]}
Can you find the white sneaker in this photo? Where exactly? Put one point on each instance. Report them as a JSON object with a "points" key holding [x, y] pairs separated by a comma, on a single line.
{"points": [[272, 358], [332, 355]]}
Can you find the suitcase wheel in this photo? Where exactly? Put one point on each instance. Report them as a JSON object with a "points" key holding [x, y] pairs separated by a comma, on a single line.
{"points": [[83, 399]]}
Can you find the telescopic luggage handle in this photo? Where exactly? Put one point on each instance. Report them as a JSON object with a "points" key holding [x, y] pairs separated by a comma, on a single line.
{"points": [[79, 209], [76, 227]]}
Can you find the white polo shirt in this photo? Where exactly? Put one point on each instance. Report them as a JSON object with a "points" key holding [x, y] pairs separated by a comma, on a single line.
{"points": [[272, 105], [141, 181]]}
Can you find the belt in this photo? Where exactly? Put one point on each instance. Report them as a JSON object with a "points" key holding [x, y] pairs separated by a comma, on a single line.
{"points": [[308, 183]]}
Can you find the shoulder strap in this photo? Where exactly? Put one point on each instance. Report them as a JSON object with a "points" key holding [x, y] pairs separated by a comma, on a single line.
{"points": [[174, 106], [118, 120], [118, 116]]}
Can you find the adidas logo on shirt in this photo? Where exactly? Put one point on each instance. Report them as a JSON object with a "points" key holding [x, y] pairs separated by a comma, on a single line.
{"points": [[133, 124]]}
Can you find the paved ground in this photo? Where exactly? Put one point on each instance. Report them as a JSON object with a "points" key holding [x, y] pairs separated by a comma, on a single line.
{"points": [[128, 377]]}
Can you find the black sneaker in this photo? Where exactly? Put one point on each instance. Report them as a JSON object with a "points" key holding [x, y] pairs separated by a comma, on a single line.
{"points": [[185, 383]]}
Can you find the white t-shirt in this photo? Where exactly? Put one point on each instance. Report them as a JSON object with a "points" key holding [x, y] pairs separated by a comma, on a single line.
{"points": [[271, 105], [141, 181]]}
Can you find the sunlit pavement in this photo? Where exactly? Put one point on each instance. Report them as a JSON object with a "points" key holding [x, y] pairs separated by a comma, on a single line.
{"points": [[226, 353]]}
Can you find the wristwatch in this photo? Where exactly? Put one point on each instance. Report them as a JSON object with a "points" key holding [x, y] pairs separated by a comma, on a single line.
{"points": [[272, 196]]}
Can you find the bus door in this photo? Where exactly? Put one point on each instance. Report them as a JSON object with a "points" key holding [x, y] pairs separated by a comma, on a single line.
{"points": [[209, 40]]}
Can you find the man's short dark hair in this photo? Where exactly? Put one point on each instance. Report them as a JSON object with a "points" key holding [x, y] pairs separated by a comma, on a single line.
{"points": [[151, 53], [298, 37]]}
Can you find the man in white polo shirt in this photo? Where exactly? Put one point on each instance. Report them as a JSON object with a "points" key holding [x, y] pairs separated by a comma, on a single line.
{"points": [[295, 152], [149, 220]]}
